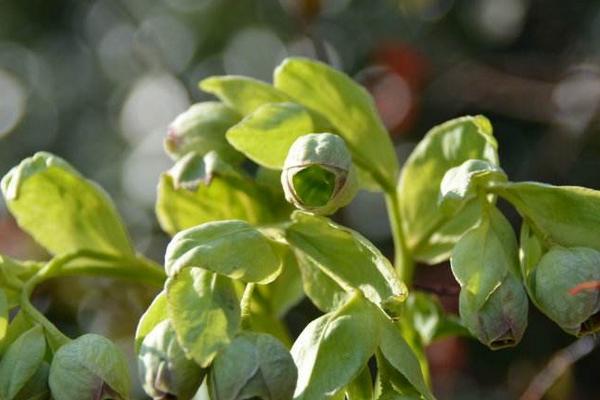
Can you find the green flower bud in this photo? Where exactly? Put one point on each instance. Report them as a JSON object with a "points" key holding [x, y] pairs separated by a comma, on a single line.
{"points": [[502, 320], [318, 175], [165, 371], [202, 129], [254, 365], [89, 367], [560, 270]]}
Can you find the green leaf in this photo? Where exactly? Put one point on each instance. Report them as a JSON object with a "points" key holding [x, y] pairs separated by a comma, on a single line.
{"points": [[37, 387], [484, 255], [242, 93], [90, 366], [530, 253], [18, 325], [201, 129], [156, 313], [232, 248], [203, 189], [564, 215], [63, 211], [361, 388], [463, 183], [345, 256], [286, 291], [324, 292], [425, 313], [348, 107], [254, 365], [21, 361], [3, 314], [266, 135], [401, 358], [391, 384], [333, 349], [204, 310], [430, 233]]}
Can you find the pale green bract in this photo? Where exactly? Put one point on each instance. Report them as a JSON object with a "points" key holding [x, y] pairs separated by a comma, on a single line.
{"points": [[232, 248], [266, 135], [334, 348], [156, 313], [204, 311], [346, 257], [63, 211], [430, 233], [564, 215], [204, 189], [349, 109]]}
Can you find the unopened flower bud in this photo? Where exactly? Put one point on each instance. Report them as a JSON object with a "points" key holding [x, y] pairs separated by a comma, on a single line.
{"points": [[202, 129], [558, 272], [502, 320], [164, 370], [318, 175]]}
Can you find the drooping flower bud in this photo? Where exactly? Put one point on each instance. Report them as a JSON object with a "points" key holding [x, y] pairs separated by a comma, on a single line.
{"points": [[254, 365], [558, 272], [318, 175], [164, 370], [502, 320], [202, 129], [90, 366]]}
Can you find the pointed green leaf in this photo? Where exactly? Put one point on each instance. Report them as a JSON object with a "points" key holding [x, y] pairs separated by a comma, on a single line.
{"points": [[266, 135], [333, 349], [156, 313], [88, 367], [348, 107], [204, 310], [203, 189], [232, 248], [401, 357], [361, 388], [63, 211], [242, 93], [37, 387], [430, 233], [21, 361], [345, 256], [565, 215]]}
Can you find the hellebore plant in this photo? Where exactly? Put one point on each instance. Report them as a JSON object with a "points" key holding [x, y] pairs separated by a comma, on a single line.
{"points": [[240, 255]]}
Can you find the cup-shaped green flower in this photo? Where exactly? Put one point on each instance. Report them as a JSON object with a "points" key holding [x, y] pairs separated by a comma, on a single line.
{"points": [[559, 271], [502, 319], [164, 370], [254, 365], [89, 367], [202, 129], [318, 175]]}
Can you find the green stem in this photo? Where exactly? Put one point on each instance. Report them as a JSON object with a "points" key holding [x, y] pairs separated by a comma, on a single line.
{"points": [[402, 259], [129, 267], [246, 303]]}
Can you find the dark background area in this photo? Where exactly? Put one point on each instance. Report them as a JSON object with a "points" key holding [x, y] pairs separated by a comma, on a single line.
{"points": [[97, 82]]}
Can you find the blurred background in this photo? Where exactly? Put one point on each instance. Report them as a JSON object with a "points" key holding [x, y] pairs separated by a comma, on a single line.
{"points": [[97, 82]]}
